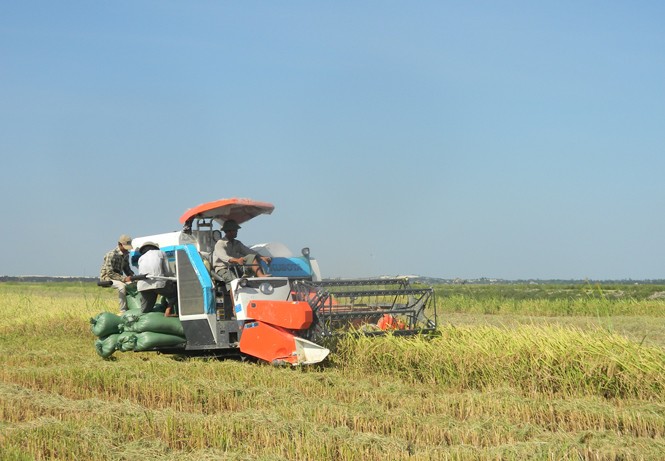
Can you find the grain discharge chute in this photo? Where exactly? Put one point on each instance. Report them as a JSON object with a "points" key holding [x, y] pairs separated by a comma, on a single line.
{"points": [[283, 318]]}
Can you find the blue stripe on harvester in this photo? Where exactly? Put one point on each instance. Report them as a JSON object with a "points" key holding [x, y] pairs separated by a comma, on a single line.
{"points": [[203, 276], [290, 267]]}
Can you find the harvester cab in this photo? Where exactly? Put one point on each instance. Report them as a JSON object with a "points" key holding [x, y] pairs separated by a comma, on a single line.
{"points": [[280, 318]]}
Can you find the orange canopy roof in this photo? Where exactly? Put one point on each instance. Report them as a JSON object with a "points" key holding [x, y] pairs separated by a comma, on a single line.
{"points": [[238, 209]]}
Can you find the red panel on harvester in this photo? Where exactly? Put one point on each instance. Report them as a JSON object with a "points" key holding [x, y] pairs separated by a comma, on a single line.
{"points": [[295, 315], [268, 342]]}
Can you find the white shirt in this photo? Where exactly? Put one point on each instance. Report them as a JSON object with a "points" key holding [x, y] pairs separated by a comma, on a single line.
{"points": [[153, 262]]}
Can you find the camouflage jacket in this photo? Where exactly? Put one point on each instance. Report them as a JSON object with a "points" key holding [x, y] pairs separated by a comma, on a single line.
{"points": [[116, 266]]}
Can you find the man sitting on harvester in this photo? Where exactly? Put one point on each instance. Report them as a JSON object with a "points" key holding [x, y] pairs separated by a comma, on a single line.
{"points": [[232, 259]]}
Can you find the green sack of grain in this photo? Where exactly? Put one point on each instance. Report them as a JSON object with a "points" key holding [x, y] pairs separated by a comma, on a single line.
{"points": [[150, 340], [106, 346], [129, 315], [105, 324], [130, 319], [133, 297], [156, 322], [126, 341]]}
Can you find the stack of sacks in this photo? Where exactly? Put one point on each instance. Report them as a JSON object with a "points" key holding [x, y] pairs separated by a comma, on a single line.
{"points": [[106, 326], [135, 331]]}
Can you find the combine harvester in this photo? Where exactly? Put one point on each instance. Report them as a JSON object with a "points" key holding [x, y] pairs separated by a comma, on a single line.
{"points": [[284, 318]]}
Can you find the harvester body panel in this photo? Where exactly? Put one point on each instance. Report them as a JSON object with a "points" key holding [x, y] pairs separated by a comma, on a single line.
{"points": [[246, 290]]}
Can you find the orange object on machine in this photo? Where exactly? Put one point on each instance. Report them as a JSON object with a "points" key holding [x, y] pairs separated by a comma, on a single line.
{"points": [[279, 346], [238, 209], [268, 342], [294, 315], [388, 322], [270, 336]]}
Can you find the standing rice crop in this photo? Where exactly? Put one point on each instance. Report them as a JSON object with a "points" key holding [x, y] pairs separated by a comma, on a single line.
{"points": [[549, 359]]}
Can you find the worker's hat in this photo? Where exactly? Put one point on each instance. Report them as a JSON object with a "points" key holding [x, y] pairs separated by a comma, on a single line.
{"points": [[125, 241], [230, 225], [145, 246]]}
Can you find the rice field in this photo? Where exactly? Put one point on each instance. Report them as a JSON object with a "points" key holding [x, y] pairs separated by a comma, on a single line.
{"points": [[507, 376]]}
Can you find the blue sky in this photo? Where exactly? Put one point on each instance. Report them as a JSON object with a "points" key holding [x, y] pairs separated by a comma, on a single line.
{"points": [[505, 139]]}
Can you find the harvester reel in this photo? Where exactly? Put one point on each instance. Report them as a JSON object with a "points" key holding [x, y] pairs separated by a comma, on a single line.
{"points": [[367, 306]]}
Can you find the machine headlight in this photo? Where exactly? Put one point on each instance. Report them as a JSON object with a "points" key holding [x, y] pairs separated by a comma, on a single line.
{"points": [[305, 252], [266, 288]]}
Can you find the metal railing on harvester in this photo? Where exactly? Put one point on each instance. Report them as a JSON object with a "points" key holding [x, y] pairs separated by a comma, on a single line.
{"points": [[368, 306]]}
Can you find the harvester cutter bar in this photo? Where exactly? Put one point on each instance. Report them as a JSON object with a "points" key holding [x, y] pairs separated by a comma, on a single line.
{"points": [[402, 281], [379, 292], [377, 305]]}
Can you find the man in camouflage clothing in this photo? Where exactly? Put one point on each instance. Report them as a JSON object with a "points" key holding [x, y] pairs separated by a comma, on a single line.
{"points": [[115, 269]]}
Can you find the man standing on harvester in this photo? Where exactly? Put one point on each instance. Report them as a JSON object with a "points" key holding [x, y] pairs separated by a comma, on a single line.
{"points": [[231, 254], [115, 269], [154, 264]]}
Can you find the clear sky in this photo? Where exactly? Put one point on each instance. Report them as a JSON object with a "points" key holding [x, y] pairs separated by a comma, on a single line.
{"points": [[507, 139]]}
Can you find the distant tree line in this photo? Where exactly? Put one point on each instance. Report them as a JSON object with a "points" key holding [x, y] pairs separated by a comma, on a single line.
{"points": [[493, 281], [44, 278]]}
